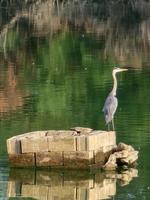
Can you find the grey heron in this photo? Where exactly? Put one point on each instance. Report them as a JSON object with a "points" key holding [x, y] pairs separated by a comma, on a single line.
{"points": [[111, 102]]}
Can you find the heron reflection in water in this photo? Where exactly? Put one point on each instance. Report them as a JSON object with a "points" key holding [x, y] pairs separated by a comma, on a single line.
{"points": [[111, 102]]}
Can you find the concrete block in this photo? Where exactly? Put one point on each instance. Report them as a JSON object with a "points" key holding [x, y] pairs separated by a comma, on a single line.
{"points": [[81, 142], [98, 139], [48, 159], [110, 139], [60, 133], [61, 144], [100, 157], [34, 145], [90, 142], [78, 159], [102, 154], [22, 160], [13, 146], [33, 134]]}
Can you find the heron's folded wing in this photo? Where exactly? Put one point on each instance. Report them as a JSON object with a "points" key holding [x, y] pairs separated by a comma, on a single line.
{"points": [[110, 105]]}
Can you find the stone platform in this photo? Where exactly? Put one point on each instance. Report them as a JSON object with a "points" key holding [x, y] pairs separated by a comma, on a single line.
{"points": [[78, 147]]}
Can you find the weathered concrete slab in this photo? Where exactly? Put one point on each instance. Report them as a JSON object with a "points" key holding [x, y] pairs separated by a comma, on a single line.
{"points": [[61, 134], [100, 158], [33, 134], [78, 159], [81, 143], [98, 139], [59, 144], [14, 146], [22, 160], [49, 159], [34, 145]]}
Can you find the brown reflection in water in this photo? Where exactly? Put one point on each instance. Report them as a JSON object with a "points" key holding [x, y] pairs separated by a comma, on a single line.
{"points": [[66, 184], [125, 28], [10, 95]]}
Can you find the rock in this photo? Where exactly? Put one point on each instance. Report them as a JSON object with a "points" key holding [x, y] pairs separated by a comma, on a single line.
{"points": [[111, 164], [133, 156], [123, 155], [122, 146]]}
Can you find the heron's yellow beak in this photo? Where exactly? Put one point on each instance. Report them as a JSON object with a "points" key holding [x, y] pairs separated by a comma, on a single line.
{"points": [[116, 70], [124, 69]]}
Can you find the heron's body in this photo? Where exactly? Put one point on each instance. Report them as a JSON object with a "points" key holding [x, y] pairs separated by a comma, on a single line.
{"points": [[110, 108], [111, 102]]}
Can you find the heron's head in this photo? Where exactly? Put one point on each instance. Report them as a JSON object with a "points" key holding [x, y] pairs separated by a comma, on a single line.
{"points": [[118, 69]]}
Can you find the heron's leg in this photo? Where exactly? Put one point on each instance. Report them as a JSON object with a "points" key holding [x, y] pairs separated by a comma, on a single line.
{"points": [[113, 126]]}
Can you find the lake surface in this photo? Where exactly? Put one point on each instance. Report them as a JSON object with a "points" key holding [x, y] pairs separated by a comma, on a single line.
{"points": [[56, 60]]}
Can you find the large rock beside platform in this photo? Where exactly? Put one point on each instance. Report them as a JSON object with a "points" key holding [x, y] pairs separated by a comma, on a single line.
{"points": [[76, 148], [123, 155]]}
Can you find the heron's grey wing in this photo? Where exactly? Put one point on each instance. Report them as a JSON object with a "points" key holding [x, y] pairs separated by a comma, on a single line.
{"points": [[110, 107]]}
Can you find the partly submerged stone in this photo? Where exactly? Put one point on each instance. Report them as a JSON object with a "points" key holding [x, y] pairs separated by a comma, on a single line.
{"points": [[123, 155]]}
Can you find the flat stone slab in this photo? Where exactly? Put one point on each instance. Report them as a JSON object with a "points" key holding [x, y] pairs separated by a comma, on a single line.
{"points": [[44, 159], [22, 160], [78, 147]]}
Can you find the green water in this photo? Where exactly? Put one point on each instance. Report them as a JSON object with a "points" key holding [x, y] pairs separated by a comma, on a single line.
{"points": [[55, 73]]}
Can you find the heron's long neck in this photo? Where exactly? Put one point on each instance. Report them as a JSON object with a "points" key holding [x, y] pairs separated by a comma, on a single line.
{"points": [[114, 90]]}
